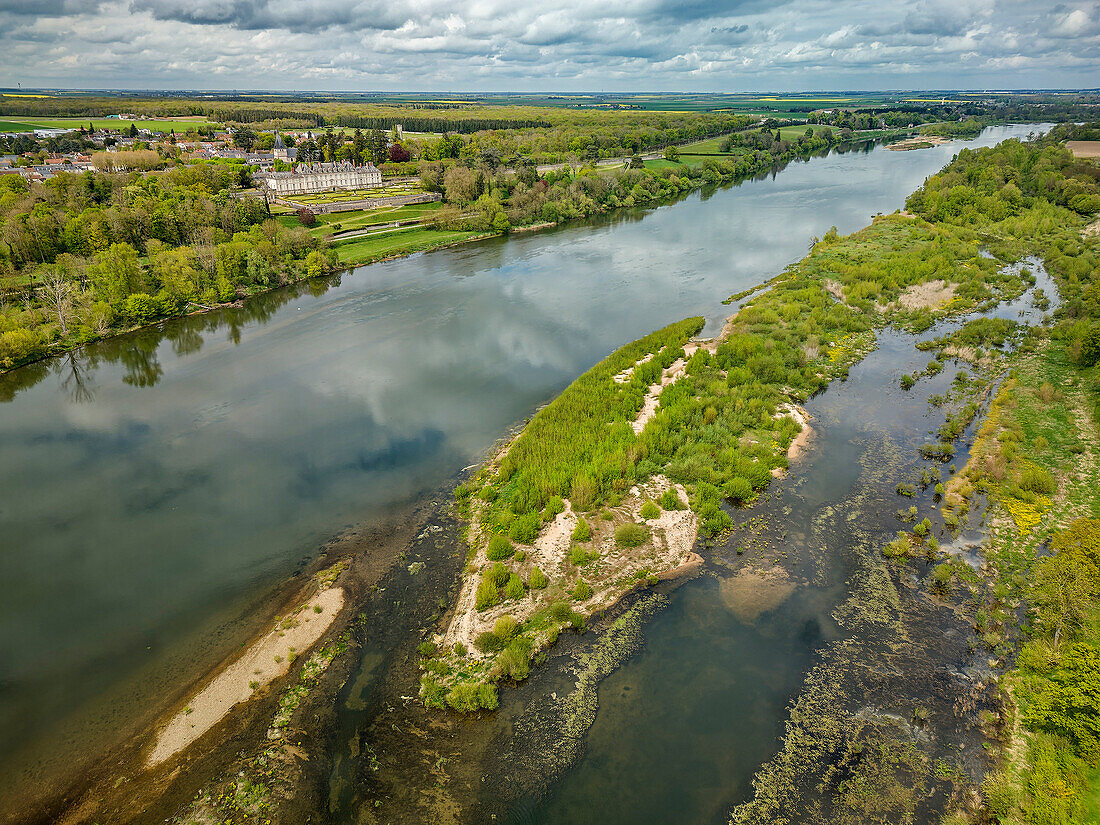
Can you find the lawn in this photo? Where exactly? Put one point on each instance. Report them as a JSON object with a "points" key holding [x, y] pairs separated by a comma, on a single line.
{"points": [[362, 218], [25, 124], [401, 241]]}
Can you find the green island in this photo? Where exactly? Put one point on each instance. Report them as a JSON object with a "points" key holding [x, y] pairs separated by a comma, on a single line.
{"points": [[587, 502]]}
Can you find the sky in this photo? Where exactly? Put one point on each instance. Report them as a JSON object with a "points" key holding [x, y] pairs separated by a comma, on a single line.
{"points": [[550, 45]]}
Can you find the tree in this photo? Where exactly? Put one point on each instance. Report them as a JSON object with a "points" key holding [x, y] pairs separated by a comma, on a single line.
{"points": [[1063, 593], [306, 217], [133, 130], [672, 154], [399, 154], [57, 293], [461, 185], [244, 138], [636, 162], [359, 145], [377, 147], [115, 273]]}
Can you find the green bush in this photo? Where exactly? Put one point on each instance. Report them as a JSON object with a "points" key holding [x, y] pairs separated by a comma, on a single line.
{"points": [[515, 661], [538, 580], [499, 549], [650, 511], [582, 592], [582, 532], [631, 534], [525, 528], [907, 381], [460, 649], [489, 642], [670, 500], [514, 588], [1035, 479], [426, 649], [498, 574], [554, 506], [505, 627], [488, 594], [469, 697], [739, 489]]}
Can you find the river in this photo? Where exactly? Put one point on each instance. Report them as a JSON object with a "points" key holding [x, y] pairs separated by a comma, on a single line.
{"points": [[155, 489]]}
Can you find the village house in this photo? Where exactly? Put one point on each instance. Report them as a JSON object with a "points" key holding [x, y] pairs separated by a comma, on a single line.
{"points": [[307, 178]]}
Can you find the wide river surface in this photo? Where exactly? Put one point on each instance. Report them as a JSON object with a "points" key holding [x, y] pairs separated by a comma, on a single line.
{"points": [[154, 488]]}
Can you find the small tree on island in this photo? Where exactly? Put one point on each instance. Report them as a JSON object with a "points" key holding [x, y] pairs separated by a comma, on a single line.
{"points": [[306, 216]]}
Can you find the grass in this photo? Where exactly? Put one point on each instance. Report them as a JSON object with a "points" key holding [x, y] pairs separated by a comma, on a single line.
{"points": [[362, 218], [399, 242]]}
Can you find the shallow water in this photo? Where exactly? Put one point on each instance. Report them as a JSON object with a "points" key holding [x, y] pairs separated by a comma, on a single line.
{"points": [[156, 487]]}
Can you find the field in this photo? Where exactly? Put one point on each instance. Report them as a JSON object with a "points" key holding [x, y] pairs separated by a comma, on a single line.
{"points": [[398, 242], [25, 124]]}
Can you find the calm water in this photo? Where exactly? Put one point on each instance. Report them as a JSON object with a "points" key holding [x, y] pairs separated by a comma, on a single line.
{"points": [[155, 487]]}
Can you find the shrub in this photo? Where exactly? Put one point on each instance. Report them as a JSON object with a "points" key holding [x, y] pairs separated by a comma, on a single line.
{"points": [[1035, 479], [499, 549], [670, 500], [488, 594], [650, 511], [469, 697], [489, 642], [718, 522], [499, 574], [525, 528], [739, 489], [582, 592], [938, 452], [460, 649], [907, 381], [922, 528], [515, 661], [582, 532], [606, 515], [505, 628], [426, 649], [306, 217], [538, 580], [554, 506], [514, 588], [631, 534], [578, 556]]}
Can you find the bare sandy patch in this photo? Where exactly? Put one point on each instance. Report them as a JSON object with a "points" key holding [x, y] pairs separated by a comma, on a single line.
{"points": [[615, 571], [918, 142], [750, 592], [801, 442], [1084, 148], [929, 295], [1092, 229], [835, 289], [263, 662]]}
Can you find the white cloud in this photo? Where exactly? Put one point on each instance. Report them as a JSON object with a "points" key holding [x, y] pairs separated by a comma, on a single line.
{"points": [[438, 45]]}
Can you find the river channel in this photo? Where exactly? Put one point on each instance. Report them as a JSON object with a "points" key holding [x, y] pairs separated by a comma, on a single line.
{"points": [[155, 489]]}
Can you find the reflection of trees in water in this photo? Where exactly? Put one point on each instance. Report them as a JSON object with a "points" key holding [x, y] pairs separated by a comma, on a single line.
{"points": [[75, 370], [137, 351]]}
